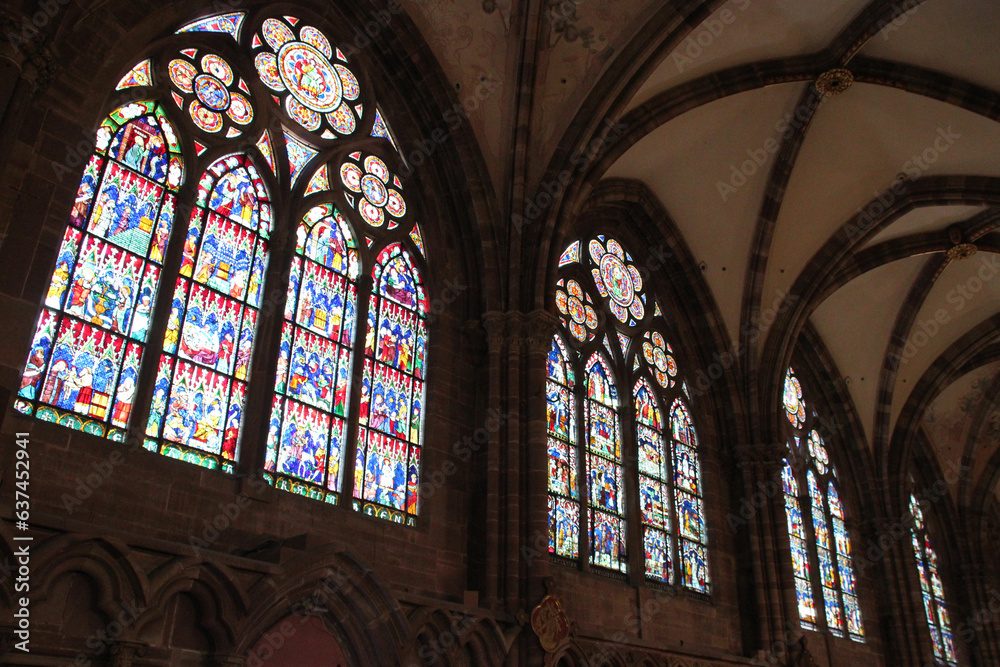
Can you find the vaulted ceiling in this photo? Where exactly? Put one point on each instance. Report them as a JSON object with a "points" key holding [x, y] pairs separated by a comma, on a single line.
{"points": [[805, 212]]}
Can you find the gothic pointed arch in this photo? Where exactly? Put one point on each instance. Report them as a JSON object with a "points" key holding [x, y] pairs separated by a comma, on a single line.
{"points": [[821, 551]]}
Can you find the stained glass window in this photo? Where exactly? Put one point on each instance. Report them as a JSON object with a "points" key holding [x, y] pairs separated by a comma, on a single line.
{"points": [[795, 409], [564, 503], [201, 383], [845, 566], [606, 515], [578, 307], [308, 427], [931, 589], [215, 97], [88, 349], [373, 190], [618, 280], [669, 498], [688, 496], [392, 390], [800, 553], [318, 87], [827, 573], [84, 359], [654, 487], [829, 555]]}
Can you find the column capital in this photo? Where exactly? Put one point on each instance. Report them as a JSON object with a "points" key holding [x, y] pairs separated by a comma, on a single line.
{"points": [[25, 47], [540, 326], [494, 323], [124, 652]]}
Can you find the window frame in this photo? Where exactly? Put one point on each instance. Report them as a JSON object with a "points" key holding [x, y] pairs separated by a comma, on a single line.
{"points": [[803, 462], [288, 200], [627, 366]]}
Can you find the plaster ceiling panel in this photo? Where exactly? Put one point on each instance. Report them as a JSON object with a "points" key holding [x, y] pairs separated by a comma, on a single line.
{"points": [[855, 324], [947, 421], [856, 146], [471, 48], [926, 219], [987, 441], [582, 39], [684, 160], [742, 31], [966, 293], [946, 36]]}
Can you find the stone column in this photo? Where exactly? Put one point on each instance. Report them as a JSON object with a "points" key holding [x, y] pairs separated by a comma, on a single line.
{"points": [[494, 324], [761, 513]]}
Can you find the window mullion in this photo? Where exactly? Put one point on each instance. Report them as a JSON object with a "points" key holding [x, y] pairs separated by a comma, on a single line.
{"points": [[157, 330], [582, 451], [816, 581], [264, 363], [630, 474]]}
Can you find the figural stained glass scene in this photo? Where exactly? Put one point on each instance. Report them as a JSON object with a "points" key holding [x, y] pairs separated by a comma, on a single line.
{"points": [[823, 567], [599, 296], [88, 364]]}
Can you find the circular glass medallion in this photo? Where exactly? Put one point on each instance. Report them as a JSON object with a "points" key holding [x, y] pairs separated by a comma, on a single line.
{"points": [[373, 215], [374, 165], [218, 68], [352, 90], [660, 358], [395, 204], [313, 36], [617, 279], [240, 109], [302, 114], [211, 92], [276, 33], [342, 119], [374, 190], [351, 176], [182, 73], [309, 77], [267, 68], [205, 118]]}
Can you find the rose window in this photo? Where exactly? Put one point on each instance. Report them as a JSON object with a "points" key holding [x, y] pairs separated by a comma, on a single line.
{"points": [[317, 90], [618, 280], [660, 358], [581, 315], [795, 409], [376, 200], [220, 99]]}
